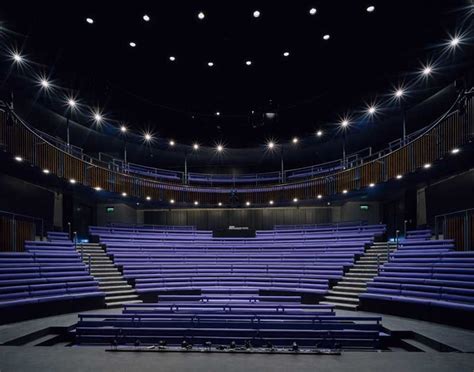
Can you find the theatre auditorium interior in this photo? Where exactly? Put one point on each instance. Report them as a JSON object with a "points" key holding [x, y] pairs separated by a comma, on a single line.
{"points": [[237, 186]]}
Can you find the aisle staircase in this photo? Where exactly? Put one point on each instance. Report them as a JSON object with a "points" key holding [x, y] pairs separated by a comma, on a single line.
{"points": [[117, 291], [345, 294]]}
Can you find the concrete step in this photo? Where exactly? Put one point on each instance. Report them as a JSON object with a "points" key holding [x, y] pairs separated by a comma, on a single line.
{"points": [[356, 279], [340, 305], [363, 271], [355, 285], [108, 277], [111, 288], [342, 293], [124, 292], [348, 289], [359, 275], [118, 298], [112, 283], [364, 266], [122, 303], [104, 269], [343, 299]]}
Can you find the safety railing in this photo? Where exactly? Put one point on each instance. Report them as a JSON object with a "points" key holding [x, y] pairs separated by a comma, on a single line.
{"points": [[453, 129], [458, 226]]}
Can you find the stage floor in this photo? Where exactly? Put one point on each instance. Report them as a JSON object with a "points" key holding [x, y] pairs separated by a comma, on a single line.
{"points": [[29, 357]]}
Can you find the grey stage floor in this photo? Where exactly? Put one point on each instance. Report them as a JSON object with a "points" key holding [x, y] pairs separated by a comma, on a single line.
{"points": [[60, 358]]}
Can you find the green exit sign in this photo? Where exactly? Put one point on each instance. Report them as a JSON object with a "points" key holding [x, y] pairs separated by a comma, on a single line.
{"points": [[364, 207], [110, 209]]}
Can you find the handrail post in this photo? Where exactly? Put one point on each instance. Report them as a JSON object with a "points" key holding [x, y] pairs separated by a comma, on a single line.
{"points": [[397, 233], [69, 230], [388, 251], [378, 263], [89, 259], [405, 228]]}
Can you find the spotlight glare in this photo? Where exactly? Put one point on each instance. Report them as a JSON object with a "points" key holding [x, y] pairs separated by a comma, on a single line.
{"points": [[124, 194], [196, 203], [72, 180], [218, 113], [320, 196], [427, 71], [312, 11], [89, 20], [319, 133], [295, 200], [172, 58], [146, 18], [371, 184], [270, 202], [344, 191], [455, 151], [455, 41], [248, 63], [172, 143], [44, 83], [271, 145], [370, 9], [148, 137], [148, 198], [71, 102], [17, 57], [123, 129], [98, 117], [295, 140], [399, 93], [201, 15], [219, 204], [345, 123], [256, 13], [46, 171], [210, 64], [97, 188], [220, 148], [133, 44], [326, 37], [286, 54], [427, 166], [247, 203], [196, 146], [399, 176], [372, 110], [18, 159], [172, 201]]}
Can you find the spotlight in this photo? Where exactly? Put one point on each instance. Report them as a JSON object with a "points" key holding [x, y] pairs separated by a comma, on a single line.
{"points": [[172, 58], [97, 188], [399, 177], [148, 198], [371, 184], [455, 151], [220, 148], [196, 146], [295, 200], [256, 13], [286, 54], [319, 133], [17, 57], [123, 129], [399, 93], [370, 9], [248, 63], [132, 44], [148, 137], [72, 180], [270, 202], [271, 145], [18, 159], [201, 15], [320, 196], [345, 123], [218, 113], [295, 140], [427, 70], [326, 37], [196, 203], [44, 83], [344, 191], [98, 117], [312, 11], [172, 201], [219, 204], [454, 41], [146, 18], [427, 166], [46, 171], [124, 194], [247, 203], [89, 20], [371, 110], [71, 102], [172, 143], [210, 64]]}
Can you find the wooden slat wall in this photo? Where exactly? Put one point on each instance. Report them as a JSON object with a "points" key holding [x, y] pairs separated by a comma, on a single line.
{"points": [[13, 234]]}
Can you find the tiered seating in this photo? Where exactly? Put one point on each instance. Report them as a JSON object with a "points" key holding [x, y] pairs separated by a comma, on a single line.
{"points": [[230, 322], [425, 279], [57, 236], [48, 278], [304, 261]]}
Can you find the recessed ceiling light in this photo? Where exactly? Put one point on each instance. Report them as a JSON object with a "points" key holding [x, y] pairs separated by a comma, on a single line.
{"points": [[148, 137], [256, 13], [399, 93], [312, 11], [344, 191], [248, 63], [295, 200], [146, 18], [44, 83], [371, 184], [17, 58], [196, 146], [89, 20], [270, 202], [172, 143], [210, 64], [271, 145], [427, 166], [132, 44], [220, 148], [18, 158], [219, 204], [454, 41], [427, 70], [319, 133], [286, 54], [370, 9], [247, 203], [196, 203], [371, 110], [123, 129], [201, 15], [345, 123], [320, 196], [399, 176], [455, 151], [295, 140], [46, 171], [148, 198], [172, 201], [326, 37], [97, 188], [72, 180], [172, 58], [124, 194]]}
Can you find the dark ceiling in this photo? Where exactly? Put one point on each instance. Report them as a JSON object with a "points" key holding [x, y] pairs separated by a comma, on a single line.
{"points": [[366, 54]]}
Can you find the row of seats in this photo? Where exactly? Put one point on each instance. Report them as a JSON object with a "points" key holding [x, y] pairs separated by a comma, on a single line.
{"points": [[48, 278], [231, 321], [425, 279]]}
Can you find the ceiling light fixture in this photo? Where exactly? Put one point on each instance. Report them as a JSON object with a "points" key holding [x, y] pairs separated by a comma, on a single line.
{"points": [[370, 9], [146, 18], [326, 37], [312, 11]]}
